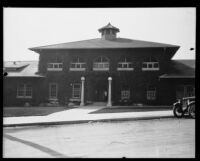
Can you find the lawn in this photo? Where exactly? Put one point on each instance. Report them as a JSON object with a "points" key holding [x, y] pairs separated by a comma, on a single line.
{"points": [[31, 111], [119, 109]]}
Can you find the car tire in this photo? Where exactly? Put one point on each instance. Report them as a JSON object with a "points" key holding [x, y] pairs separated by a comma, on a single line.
{"points": [[192, 110], [178, 111]]}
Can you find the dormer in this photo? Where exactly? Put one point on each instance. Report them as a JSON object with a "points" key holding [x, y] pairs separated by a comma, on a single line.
{"points": [[108, 32]]}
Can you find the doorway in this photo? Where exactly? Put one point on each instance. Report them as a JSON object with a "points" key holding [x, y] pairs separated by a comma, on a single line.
{"points": [[100, 92]]}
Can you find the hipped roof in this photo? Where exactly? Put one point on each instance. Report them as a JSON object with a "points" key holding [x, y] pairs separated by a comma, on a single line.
{"points": [[180, 69], [99, 43]]}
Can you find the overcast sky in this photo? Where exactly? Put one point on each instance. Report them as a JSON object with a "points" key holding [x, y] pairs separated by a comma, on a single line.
{"points": [[30, 27]]}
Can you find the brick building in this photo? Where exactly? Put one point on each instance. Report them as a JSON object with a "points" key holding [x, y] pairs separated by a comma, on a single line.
{"points": [[107, 69]]}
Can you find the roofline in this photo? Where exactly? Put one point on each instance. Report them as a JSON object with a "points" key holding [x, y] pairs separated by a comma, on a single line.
{"points": [[171, 77], [24, 76], [39, 49]]}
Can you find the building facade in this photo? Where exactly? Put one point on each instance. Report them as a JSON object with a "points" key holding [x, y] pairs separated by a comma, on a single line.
{"points": [[107, 69]]}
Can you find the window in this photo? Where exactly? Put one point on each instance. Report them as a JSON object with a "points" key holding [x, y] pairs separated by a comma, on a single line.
{"points": [[151, 93], [101, 64], [150, 64], [24, 91], [125, 94], [125, 64], [77, 64], [185, 91], [54, 66], [53, 91], [76, 90]]}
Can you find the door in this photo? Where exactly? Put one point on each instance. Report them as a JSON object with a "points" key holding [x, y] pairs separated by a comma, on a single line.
{"points": [[100, 92]]}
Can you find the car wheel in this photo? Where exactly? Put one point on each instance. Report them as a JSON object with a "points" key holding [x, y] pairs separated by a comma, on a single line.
{"points": [[178, 111], [192, 110]]}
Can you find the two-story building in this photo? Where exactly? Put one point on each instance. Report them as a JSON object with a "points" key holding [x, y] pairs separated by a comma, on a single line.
{"points": [[107, 69]]}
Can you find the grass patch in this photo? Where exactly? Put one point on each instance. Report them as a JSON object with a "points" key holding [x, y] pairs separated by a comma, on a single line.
{"points": [[31, 111], [132, 109]]}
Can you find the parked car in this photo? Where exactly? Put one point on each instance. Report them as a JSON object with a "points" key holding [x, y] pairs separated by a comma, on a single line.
{"points": [[184, 106]]}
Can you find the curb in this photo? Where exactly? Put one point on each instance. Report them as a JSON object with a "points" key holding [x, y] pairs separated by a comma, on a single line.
{"points": [[86, 121]]}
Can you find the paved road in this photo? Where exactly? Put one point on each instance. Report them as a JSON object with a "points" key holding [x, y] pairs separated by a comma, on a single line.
{"points": [[132, 139]]}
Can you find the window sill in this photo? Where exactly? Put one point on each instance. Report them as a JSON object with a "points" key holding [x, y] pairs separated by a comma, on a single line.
{"points": [[50, 70], [25, 97], [150, 69], [77, 69], [100, 69], [125, 69]]}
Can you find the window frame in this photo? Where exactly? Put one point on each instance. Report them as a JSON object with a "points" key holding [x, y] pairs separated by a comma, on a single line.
{"points": [[50, 90], [53, 68], [102, 65], [73, 91], [151, 63], [77, 63], [125, 94], [182, 91], [151, 95], [24, 90]]}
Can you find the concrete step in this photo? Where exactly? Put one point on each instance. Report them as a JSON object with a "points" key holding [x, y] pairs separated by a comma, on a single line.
{"points": [[99, 104]]}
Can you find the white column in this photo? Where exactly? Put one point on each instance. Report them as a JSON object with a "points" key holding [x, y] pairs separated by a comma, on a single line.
{"points": [[109, 104], [82, 91]]}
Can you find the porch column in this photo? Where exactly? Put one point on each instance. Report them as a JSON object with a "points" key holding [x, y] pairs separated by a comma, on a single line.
{"points": [[109, 104], [82, 91]]}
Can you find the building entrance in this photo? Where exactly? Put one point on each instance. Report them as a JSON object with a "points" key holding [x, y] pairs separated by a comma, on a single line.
{"points": [[100, 92]]}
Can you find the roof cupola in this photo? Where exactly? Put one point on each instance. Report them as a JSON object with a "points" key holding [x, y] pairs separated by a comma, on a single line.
{"points": [[108, 32]]}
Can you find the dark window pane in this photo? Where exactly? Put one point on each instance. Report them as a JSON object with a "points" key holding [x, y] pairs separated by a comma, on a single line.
{"points": [[150, 65], [55, 65], [60, 65], [155, 65], [144, 65]]}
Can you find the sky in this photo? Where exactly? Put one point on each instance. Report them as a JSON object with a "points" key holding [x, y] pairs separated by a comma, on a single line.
{"points": [[24, 28]]}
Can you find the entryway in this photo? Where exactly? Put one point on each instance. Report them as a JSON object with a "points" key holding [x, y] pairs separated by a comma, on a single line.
{"points": [[100, 92]]}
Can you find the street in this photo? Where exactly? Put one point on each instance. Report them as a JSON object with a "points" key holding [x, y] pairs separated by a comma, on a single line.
{"points": [[157, 138]]}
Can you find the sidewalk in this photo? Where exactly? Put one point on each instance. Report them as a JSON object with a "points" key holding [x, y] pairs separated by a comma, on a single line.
{"points": [[82, 115]]}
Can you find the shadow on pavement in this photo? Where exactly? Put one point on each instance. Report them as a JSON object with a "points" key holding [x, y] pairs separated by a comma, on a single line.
{"points": [[37, 146]]}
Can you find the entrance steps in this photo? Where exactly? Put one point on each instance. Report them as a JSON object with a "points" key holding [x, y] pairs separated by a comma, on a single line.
{"points": [[98, 104]]}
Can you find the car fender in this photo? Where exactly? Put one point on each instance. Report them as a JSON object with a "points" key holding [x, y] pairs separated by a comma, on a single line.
{"points": [[192, 102]]}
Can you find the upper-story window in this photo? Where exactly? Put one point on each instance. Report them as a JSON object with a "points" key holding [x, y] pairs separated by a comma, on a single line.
{"points": [[150, 64], [101, 64], [54, 66], [125, 64], [77, 64]]}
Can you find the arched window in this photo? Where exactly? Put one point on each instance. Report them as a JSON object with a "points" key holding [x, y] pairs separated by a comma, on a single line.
{"points": [[55, 64], [125, 64], [150, 64], [151, 92], [77, 64], [101, 64]]}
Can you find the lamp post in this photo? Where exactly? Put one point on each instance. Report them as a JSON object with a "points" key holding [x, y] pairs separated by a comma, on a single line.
{"points": [[82, 91], [109, 104]]}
